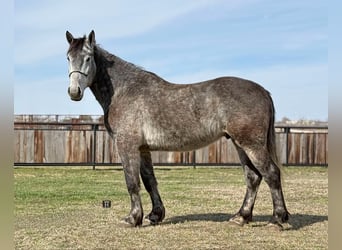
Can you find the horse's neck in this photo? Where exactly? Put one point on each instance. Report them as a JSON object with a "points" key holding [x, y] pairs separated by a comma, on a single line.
{"points": [[103, 86], [112, 75], [116, 75]]}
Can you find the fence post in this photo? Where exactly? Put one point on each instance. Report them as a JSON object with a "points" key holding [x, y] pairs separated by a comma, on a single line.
{"points": [[287, 131], [94, 127], [194, 158]]}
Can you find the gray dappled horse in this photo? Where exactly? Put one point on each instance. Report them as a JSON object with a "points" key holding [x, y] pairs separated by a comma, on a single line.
{"points": [[144, 113]]}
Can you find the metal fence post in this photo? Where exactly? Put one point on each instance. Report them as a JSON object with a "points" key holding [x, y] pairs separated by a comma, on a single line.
{"points": [[95, 127], [287, 131]]}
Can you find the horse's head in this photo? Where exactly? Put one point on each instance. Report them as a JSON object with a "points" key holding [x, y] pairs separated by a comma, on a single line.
{"points": [[82, 67]]}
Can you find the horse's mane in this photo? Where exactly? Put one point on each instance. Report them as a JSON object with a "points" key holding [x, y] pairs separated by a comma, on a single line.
{"points": [[111, 57]]}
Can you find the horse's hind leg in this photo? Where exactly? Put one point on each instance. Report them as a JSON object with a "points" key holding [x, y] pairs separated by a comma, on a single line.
{"points": [[253, 179], [147, 174], [271, 174]]}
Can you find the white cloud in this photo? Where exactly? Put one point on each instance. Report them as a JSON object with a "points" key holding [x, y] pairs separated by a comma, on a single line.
{"points": [[40, 29]]}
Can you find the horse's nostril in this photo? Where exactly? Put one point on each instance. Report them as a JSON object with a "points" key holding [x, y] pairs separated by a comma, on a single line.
{"points": [[79, 91], [69, 90]]}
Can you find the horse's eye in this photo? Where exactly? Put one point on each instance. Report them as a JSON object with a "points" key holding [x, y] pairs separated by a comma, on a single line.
{"points": [[88, 59], [68, 58]]}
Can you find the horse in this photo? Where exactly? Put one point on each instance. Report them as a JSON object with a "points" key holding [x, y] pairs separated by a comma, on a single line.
{"points": [[144, 113]]}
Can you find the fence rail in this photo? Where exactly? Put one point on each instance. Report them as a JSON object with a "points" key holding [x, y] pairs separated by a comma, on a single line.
{"points": [[88, 144]]}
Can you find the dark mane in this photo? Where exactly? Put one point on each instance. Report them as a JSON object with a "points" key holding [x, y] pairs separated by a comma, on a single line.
{"points": [[108, 57], [76, 44]]}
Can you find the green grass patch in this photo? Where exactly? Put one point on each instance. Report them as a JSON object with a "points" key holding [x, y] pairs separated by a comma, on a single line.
{"points": [[61, 208]]}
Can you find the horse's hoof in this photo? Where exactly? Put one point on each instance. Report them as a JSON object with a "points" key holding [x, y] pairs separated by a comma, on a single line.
{"points": [[153, 219], [130, 222], [276, 226], [237, 220], [156, 216], [127, 222]]}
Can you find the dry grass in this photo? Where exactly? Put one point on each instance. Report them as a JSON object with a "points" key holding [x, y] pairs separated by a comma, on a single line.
{"points": [[61, 209]]}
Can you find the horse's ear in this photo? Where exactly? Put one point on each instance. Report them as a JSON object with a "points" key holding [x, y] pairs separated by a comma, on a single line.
{"points": [[91, 38], [69, 37]]}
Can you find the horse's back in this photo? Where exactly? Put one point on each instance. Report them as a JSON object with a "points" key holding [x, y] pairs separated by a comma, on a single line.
{"points": [[223, 99], [185, 117]]}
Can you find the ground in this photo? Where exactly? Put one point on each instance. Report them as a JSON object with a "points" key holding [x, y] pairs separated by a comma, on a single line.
{"points": [[61, 208]]}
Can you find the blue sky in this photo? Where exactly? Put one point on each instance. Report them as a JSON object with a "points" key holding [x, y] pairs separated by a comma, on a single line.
{"points": [[283, 45]]}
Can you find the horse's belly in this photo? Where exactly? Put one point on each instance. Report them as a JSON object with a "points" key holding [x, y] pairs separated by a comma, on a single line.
{"points": [[176, 145], [178, 140]]}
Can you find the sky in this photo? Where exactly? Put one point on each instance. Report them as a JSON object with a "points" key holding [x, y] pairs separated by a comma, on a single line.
{"points": [[282, 45]]}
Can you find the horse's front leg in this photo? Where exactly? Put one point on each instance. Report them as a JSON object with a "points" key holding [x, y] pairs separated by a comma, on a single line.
{"points": [[131, 165], [147, 174]]}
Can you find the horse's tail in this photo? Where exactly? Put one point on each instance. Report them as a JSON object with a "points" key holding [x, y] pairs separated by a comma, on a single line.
{"points": [[271, 139]]}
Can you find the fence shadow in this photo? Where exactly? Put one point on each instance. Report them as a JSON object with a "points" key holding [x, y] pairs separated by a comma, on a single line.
{"points": [[296, 222]]}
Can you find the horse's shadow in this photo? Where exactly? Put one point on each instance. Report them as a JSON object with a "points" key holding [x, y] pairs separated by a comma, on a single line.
{"points": [[296, 221]]}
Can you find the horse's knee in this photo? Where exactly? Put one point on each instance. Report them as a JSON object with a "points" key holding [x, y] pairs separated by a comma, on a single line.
{"points": [[253, 177]]}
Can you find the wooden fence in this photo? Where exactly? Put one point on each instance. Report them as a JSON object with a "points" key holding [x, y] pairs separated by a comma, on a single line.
{"points": [[88, 144]]}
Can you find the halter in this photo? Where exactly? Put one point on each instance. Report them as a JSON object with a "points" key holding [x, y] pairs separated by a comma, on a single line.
{"points": [[77, 71]]}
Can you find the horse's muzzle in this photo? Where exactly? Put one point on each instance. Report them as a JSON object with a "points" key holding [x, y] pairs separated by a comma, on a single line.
{"points": [[75, 95]]}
